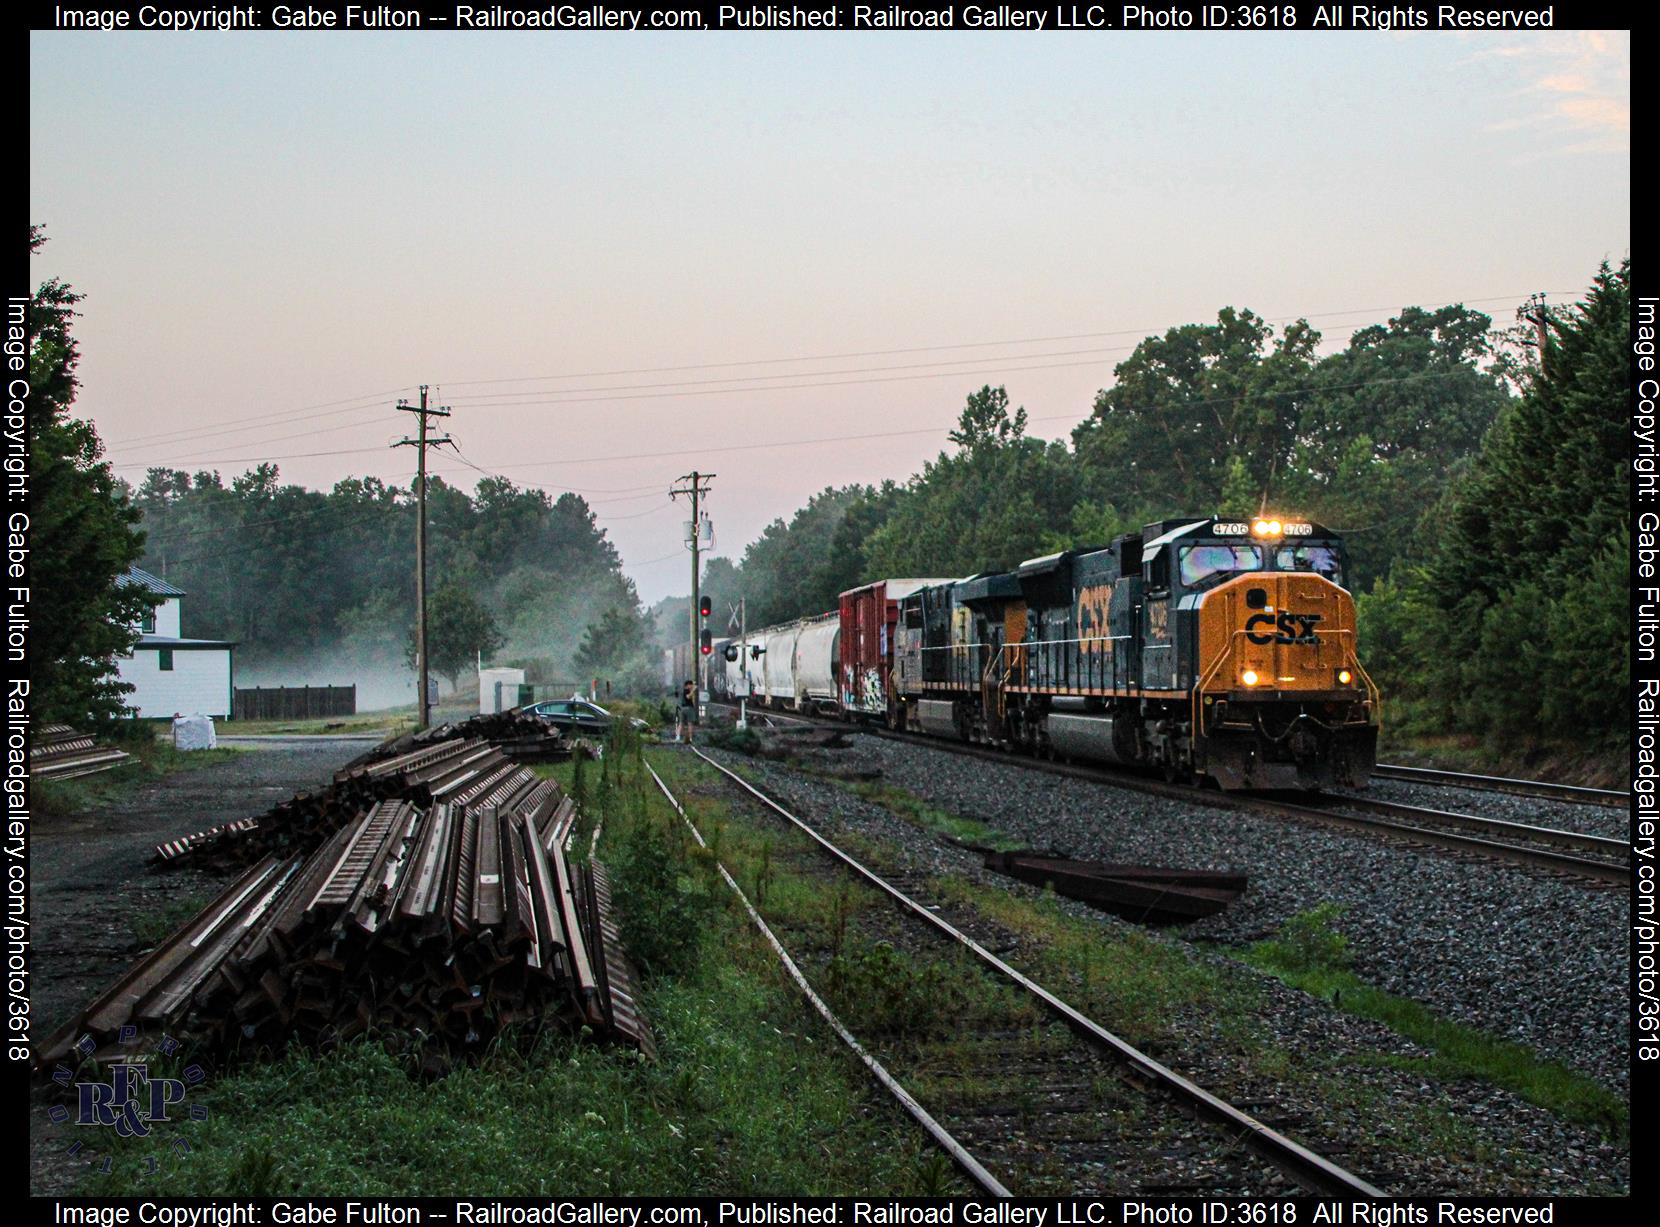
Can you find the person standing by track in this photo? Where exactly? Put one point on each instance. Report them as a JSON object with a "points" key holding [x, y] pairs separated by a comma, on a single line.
{"points": [[686, 717]]}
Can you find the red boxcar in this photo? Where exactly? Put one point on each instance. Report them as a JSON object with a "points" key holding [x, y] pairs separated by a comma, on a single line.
{"points": [[868, 617]]}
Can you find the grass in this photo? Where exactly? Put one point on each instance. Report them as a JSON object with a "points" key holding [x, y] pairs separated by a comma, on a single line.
{"points": [[750, 1094], [915, 810], [1146, 989], [150, 760], [151, 927], [1310, 955]]}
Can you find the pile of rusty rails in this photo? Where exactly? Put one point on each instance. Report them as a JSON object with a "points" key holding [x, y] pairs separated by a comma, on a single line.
{"points": [[517, 734], [438, 764], [58, 752], [426, 899]]}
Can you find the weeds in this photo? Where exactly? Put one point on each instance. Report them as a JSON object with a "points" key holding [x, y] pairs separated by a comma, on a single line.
{"points": [[1309, 955], [740, 741], [1308, 943], [895, 995]]}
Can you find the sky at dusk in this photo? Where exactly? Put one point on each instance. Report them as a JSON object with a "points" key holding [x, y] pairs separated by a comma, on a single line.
{"points": [[622, 257]]}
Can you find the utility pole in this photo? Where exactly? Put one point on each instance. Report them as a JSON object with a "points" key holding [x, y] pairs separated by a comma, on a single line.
{"points": [[1535, 312], [696, 485], [420, 444], [743, 661]]}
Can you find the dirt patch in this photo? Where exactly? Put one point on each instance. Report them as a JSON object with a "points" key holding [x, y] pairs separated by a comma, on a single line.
{"points": [[98, 903]]}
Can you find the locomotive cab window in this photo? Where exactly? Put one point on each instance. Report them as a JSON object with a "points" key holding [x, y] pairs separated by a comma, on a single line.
{"points": [[1205, 564], [1323, 560]]}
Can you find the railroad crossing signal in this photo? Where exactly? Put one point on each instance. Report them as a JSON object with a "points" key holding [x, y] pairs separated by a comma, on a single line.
{"points": [[731, 652], [704, 645], [704, 606]]}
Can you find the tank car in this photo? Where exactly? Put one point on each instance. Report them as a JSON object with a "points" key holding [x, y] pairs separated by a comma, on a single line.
{"points": [[817, 661]]}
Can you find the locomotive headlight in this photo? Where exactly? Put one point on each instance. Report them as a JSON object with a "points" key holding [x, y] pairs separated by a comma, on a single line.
{"points": [[1249, 677], [1344, 677], [1274, 528], [1260, 528]]}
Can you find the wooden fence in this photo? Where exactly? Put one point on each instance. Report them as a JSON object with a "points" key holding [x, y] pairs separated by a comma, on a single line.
{"points": [[294, 702]]}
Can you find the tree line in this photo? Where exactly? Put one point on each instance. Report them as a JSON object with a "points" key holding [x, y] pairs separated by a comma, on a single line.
{"points": [[514, 574]]}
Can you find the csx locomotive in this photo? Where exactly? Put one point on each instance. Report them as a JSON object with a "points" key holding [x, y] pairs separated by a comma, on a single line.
{"points": [[1208, 648]]}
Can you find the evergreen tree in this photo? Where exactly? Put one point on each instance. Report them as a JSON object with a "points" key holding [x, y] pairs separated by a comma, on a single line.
{"points": [[83, 532]]}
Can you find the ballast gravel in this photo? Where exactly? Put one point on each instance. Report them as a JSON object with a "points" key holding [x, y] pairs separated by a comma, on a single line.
{"points": [[1515, 953]]}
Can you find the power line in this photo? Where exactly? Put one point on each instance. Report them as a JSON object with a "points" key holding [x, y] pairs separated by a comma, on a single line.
{"points": [[655, 488], [285, 415], [921, 349], [498, 400], [303, 434], [221, 428], [683, 452]]}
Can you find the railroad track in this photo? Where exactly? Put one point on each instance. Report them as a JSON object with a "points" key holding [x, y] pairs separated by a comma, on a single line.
{"points": [[1545, 848], [1310, 1170], [1544, 789]]}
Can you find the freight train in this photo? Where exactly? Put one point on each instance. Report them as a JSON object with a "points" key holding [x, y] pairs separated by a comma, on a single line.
{"points": [[1213, 649]]}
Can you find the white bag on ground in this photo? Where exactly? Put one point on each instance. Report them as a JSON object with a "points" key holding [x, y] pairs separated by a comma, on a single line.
{"points": [[194, 733]]}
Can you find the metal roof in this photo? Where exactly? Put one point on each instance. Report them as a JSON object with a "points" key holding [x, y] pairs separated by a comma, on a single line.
{"points": [[155, 584]]}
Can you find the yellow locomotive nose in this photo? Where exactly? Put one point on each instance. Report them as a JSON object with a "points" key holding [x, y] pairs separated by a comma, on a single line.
{"points": [[1278, 633]]}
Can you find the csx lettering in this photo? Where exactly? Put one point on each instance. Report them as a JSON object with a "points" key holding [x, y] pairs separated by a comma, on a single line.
{"points": [[1094, 603], [1289, 627]]}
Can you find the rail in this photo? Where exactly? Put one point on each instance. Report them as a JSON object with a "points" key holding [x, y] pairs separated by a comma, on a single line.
{"points": [[1543, 789], [955, 1150], [1314, 1171]]}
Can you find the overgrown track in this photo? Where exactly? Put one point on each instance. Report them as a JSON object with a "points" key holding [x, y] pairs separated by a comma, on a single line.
{"points": [[1310, 1170], [1544, 848], [1573, 793], [955, 1150]]}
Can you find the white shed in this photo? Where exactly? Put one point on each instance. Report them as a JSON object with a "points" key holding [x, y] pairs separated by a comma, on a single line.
{"points": [[498, 690], [174, 675]]}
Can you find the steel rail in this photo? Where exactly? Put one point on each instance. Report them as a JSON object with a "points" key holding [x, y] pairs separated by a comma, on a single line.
{"points": [[1573, 793], [958, 1153], [1517, 854], [1313, 1171], [1478, 822]]}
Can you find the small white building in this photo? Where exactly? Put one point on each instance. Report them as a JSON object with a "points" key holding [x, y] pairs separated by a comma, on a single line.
{"points": [[173, 675]]}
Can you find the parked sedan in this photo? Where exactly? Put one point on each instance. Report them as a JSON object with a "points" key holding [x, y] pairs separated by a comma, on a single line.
{"points": [[576, 717]]}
